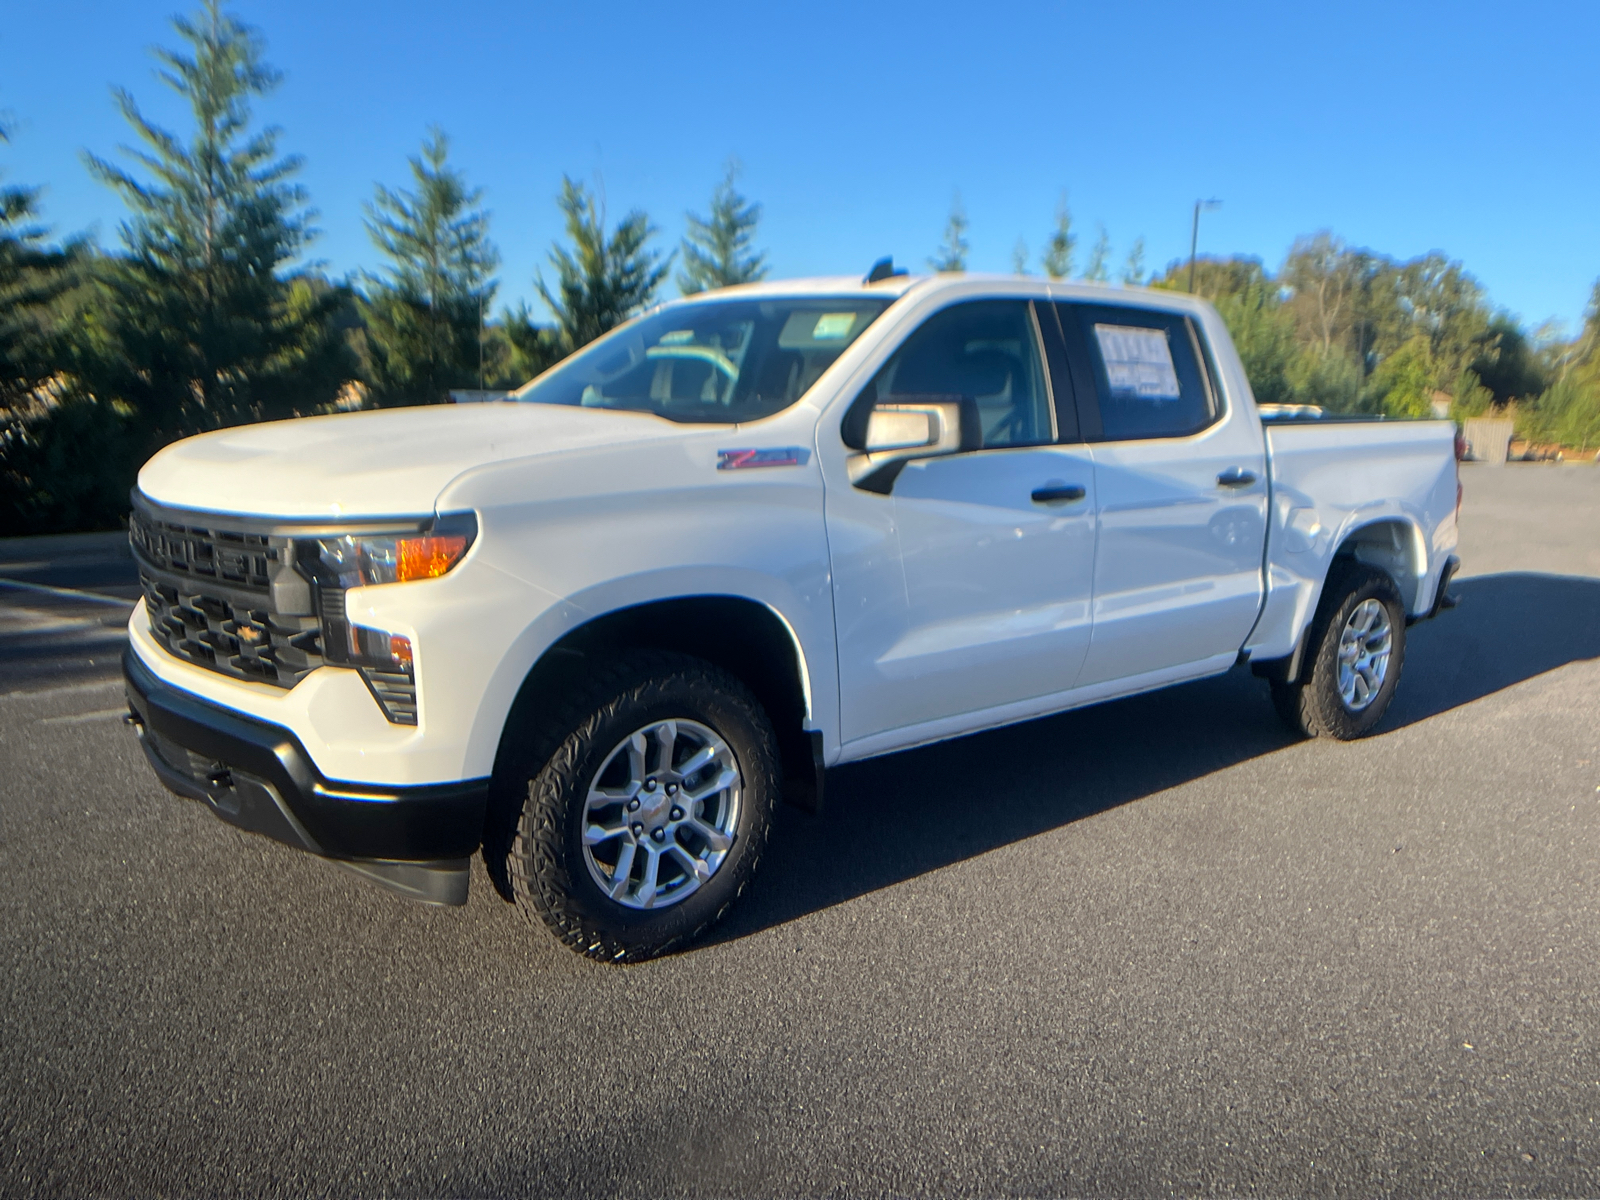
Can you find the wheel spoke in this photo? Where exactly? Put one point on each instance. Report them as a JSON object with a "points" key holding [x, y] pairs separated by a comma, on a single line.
{"points": [[696, 760], [725, 779], [622, 871], [600, 797], [667, 740], [593, 835], [1358, 685], [636, 764], [646, 895], [714, 837], [695, 866]]}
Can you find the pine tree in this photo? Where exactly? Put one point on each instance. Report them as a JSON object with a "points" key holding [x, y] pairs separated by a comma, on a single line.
{"points": [[1058, 251], [1098, 270], [424, 322], [34, 277], [64, 462], [530, 349], [1133, 267], [717, 249], [1019, 258], [952, 254], [601, 281], [199, 328]]}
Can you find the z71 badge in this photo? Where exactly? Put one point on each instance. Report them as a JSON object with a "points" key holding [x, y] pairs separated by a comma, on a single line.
{"points": [[781, 456]]}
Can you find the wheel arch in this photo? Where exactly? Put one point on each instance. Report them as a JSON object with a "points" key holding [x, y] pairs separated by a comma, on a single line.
{"points": [[1390, 543], [1394, 545], [749, 639]]}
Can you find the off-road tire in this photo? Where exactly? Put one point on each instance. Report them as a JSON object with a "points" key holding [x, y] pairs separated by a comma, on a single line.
{"points": [[1312, 706], [545, 867]]}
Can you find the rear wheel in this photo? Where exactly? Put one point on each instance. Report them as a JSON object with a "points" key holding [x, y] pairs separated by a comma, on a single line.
{"points": [[1355, 650], [648, 819]]}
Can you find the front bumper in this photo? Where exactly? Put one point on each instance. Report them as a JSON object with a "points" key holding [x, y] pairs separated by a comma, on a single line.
{"points": [[415, 840]]}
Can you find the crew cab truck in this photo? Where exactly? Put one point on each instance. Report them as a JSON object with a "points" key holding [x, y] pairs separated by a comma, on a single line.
{"points": [[600, 629]]}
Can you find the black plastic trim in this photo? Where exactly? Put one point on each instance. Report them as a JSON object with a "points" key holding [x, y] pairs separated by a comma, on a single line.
{"points": [[242, 767], [1441, 596]]}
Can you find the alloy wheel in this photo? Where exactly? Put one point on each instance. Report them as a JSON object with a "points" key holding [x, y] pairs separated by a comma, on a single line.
{"points": [[661, 814]]}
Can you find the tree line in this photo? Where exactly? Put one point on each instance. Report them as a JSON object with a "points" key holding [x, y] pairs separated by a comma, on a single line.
{"points": [[201, 317]]}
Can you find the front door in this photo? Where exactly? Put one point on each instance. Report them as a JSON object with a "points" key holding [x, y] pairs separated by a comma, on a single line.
{"points": [[968, 587]]}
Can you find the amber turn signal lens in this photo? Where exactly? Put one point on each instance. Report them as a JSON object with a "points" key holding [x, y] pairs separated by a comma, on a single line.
{"points": [[427, 557], [400, 651]]}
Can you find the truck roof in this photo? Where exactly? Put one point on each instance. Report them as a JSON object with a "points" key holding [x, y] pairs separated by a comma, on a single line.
{"points": [[897, 286]]}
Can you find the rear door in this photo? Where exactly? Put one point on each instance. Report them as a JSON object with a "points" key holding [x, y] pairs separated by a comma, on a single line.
{"points": [[1181, 494]]}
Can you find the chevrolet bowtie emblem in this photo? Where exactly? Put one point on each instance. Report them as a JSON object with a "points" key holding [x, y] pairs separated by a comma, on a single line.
{"points": [[249, 633]]}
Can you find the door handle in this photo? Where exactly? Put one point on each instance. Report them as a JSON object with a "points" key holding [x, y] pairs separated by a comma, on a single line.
{"points": [[1235, 477], [1052, 492]]}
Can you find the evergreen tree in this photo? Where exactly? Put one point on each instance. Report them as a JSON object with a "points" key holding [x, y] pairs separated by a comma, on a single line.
{"points": [[528, 350], [34, 278], [952, 254], [1058, 250], [601, 281], [1133, 267], [717, 249], [1099, 270], [1019, 258], [64, 461], [424, 322], [199, 329]]}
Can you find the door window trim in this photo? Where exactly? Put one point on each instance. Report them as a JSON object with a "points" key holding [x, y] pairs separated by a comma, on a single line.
{"points": [[1081, 357], [1065, 409]]}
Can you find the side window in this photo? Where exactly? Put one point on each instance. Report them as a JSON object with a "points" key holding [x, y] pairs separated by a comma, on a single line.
{"points": [[985, 349], [1148, 374]]}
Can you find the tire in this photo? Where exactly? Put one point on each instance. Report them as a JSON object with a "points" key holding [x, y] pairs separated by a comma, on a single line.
{"points": [[1358, 604], [635, 893]]}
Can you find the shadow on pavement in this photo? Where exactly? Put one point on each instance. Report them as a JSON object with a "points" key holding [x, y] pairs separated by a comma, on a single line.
{"points": [[894, 818]]}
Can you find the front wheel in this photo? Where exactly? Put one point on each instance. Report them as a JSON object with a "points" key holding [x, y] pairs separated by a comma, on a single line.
{"points": [[1356, 650], [650, 816]]}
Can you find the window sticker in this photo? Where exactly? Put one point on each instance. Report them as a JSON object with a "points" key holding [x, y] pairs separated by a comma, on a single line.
{"points": [[1138, 361], [831, 327], [678, 337]]}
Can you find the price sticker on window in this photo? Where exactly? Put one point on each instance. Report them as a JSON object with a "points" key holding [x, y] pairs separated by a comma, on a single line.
{"points": [[1138, 361]]}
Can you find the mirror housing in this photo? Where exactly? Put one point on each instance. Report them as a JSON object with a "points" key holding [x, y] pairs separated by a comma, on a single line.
{"points": [[910, 427]]}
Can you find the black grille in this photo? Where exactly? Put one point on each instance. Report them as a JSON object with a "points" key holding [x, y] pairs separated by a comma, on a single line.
{"points": [[235, 560], [240, 640], [208, 592]]}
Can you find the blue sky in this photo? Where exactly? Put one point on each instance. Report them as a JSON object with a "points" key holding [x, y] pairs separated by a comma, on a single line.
{"points": [[1464, 127]]}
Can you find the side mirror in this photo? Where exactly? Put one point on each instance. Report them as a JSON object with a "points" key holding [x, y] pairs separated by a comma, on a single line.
{"points": [[909, 427]]}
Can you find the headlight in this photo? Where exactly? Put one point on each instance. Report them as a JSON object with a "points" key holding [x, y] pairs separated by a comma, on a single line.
{"points": [[361, 560]]}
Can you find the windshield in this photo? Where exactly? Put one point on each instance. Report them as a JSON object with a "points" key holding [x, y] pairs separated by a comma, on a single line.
{"points": [[717, 361]]}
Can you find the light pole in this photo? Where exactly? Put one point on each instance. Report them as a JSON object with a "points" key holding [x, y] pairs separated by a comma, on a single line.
{"points": [[1194, 235]]}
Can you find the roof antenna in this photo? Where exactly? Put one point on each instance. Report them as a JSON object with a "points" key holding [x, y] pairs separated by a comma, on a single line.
{"points": [[883, 269]]}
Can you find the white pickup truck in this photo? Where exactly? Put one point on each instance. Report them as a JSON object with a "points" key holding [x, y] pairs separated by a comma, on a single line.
{"points": [[600, 629]]}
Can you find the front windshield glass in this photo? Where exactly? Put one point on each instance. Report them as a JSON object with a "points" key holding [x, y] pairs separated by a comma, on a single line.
{"points": [[716, 361]]}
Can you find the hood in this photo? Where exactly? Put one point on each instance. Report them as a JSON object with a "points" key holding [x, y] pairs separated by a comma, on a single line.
{"points": [[388, 463]]}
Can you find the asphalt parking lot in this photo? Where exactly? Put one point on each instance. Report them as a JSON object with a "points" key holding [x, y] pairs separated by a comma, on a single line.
{"points": [[1153, 947]]}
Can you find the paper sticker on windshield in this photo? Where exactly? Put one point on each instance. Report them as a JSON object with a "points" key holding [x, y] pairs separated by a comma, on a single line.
{"points": [[1138, 361], [831, 327], [678, 337]]}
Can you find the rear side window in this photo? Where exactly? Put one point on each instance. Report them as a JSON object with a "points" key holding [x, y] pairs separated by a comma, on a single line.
{"points": [[1148, 370]]}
